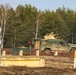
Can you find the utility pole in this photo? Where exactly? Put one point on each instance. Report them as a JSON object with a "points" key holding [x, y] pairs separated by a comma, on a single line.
{"points": [[36, 35], [37, 27], [0, 42]]}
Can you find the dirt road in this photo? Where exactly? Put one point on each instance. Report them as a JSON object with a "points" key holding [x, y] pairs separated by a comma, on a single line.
{"points": [[60, 65], [36, 71]]}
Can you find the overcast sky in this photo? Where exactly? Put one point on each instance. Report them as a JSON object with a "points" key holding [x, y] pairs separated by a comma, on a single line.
{"points": [[42, 4]]}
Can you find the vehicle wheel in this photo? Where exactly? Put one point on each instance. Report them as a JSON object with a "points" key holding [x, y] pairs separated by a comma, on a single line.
{"points": [[47, 51]]}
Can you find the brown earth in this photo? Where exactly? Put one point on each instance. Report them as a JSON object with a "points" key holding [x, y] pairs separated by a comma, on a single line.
{"points": [[36, 71], [54, 65]]}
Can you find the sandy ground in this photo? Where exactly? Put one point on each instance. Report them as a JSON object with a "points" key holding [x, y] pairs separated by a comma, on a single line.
{"points": [[53, 66]]}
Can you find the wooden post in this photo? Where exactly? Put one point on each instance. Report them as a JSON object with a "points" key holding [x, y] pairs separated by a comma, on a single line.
{"points": [[3, 53], [21, 53], [56, 53], [37, 52], [75, 59]]}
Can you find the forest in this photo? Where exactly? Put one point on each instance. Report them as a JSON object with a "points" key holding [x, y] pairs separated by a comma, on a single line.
{"points": [[28, 23]]}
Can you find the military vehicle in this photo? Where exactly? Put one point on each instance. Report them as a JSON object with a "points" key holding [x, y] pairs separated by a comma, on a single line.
{"points": [[54, 45], [50, 43]]}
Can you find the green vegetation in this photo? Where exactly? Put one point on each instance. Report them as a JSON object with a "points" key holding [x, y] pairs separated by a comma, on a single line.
{"points": [[19, 25]]}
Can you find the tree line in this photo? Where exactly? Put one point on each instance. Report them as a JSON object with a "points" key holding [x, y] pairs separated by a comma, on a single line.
{"points": [[28, 23]]}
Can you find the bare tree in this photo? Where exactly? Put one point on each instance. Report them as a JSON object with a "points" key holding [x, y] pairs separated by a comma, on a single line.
{"points": [[4, 16]]}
